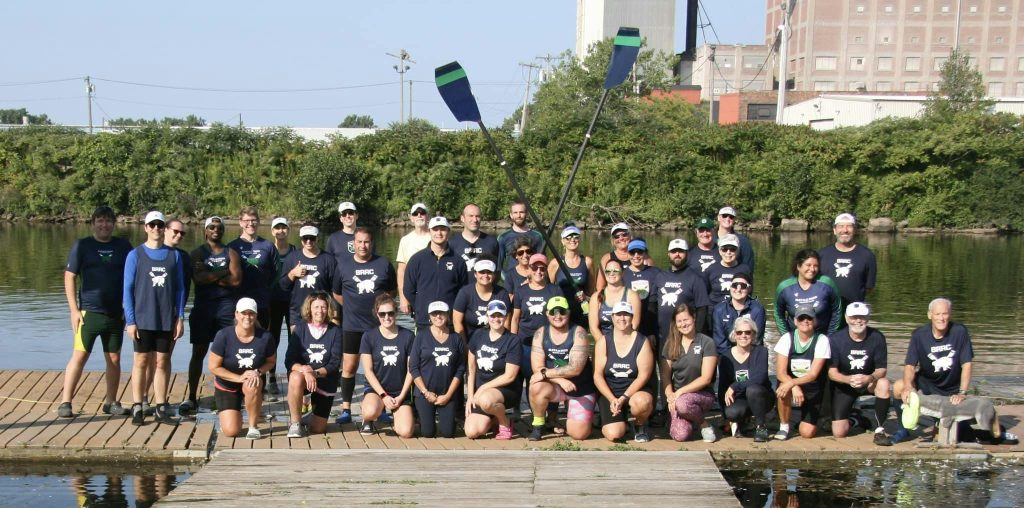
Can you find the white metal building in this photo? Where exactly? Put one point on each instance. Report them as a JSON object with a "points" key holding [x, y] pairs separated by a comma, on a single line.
{"points": [[835, 111], [600, 19]]}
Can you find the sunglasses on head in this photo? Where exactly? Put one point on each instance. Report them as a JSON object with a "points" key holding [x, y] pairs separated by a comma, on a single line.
{"points": [[740, 285], [558, 311]]}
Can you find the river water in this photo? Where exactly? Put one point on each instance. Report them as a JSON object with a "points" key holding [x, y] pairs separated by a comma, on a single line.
{"points": [[983, 275]]}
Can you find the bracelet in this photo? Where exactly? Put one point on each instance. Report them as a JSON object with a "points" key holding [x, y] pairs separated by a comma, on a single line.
{"points": [[382, 394]]}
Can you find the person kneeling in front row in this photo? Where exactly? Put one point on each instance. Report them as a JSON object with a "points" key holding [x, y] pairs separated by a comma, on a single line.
{"points": [[858, 368], [239, 357], [313, 361]]}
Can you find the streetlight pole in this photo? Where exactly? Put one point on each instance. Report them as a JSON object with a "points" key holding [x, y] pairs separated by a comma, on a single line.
{"points": [[784, 29], [401, 68]]}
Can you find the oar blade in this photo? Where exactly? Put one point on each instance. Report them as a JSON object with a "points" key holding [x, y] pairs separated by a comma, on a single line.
{"points": [[453, 85], [624, 53]]}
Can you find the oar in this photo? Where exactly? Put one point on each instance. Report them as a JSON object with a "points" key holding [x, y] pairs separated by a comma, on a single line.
{"points": [[453, 85], [624, 53]]}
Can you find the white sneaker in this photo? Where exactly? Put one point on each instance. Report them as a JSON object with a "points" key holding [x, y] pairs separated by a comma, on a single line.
{"points": [[295, 430], [253, 434], [708, 433]]}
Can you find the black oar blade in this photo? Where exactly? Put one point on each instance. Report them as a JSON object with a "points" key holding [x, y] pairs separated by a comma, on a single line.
{"points": [[453, 85], [627, 47]]}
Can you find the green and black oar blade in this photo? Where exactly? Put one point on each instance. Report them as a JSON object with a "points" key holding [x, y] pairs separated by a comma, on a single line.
{"points": [[453, 85], [624, 54]]}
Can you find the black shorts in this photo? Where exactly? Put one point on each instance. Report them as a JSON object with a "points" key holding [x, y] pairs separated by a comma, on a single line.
{"points": [[810, 410], [228, 401], [110, 331], [605, 406], [321, 404], [154, 340], [843, 398], [350, 342], [204, 325], [507, 394]]}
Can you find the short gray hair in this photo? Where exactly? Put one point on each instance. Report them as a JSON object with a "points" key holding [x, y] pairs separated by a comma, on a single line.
{"points": [[749, 322], [933, 303]]}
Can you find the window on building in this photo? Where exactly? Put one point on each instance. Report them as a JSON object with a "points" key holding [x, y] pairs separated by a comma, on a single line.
{"points": [[885, 63], [856, 63], [913, 63], [888, 9], [939, 62], [753, 62], [970, 39], [999, 39], [944, 9], [760, 112], [911, 86], [861, 9], [973, 9], [997, 63], [825, 63], [824, 86], [995, 89], [857, 86], [1001, 9], [1019, 92], [885, 39], [1020, 64], [883, 86], [916, 9], [858, 39], [915, 40], [942, 39]]}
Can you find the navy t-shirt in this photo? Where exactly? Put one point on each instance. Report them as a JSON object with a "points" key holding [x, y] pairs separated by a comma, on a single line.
{"points": [[360, 284], [474, 308], [854, 271], [390, 357], [719, 278], [319, 277], [512, 281], [676, 287], [493, 355], [862, 357], [100, 265], [700, 259], [438, 363], [532, 305], [239, 357], [259, 268], [341, 245], [485, 244], [325, 352], [941, 361]]}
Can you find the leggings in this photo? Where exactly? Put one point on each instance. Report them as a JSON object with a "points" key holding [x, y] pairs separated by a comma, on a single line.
{"points": [[688, 414], [756, 401], [444, 414]]}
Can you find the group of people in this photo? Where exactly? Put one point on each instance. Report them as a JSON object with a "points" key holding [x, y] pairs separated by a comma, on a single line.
{"points": [[499, 326]]}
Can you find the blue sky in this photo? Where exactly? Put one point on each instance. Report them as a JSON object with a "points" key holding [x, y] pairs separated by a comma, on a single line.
{"points": [[262, 45]]}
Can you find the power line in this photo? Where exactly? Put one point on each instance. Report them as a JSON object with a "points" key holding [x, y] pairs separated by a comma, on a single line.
{"points": [[43, 82], [252, 110], [243, 90]]}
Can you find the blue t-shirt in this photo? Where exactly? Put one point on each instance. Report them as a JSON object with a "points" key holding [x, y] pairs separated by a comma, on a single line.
{"points": [[940, 361], [854, 272], [212, 297], [469, 252], [259, 268], [239, 357], [700, 259], [474, 308], [719, 278], [438, 363], [323, 352], [359, 284], [390, 357], [319, 277], [673, 287], [492, 356], [100, 265], [532, 305]]}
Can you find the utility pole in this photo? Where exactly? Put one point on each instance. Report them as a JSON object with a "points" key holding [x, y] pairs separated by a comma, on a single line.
{"points": [[89, 90], [401, 68], [711, 105], [546, 70], [956, 34], [784, 31], [410, 99], [526, 96]]}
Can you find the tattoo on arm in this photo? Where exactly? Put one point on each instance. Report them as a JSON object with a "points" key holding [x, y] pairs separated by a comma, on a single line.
{"points": [[577, 358]]}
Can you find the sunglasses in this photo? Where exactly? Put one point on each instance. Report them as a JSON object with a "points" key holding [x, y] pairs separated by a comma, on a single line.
{"points": [[558, 311], [612, 271], [727, 216], [156, 225], [573, 237], [538, 268], [805, 318], [214, 227], [620, 235], [309, 239], [728, 248], [346, 213], [386, 313], [634, 252], [417, 213], [526, 252], [744, 332], [178, 232], [703, 230], [740, 285]]}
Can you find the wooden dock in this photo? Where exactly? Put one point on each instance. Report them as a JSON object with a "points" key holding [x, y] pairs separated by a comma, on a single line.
{"points": [[454, 479], [31, 430]]}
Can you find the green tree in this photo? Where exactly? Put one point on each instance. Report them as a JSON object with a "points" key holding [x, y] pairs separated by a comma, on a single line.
{"points": [[961, 89], [358, 121], [15, 116], [188, 121]]}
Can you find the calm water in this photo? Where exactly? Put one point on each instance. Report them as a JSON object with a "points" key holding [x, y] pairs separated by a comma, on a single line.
{"points": [[995, 483], [107, 485], [983, 275]]}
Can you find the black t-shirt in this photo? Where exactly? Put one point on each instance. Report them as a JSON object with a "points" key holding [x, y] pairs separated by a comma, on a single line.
{"points": [[323, 352], [492, 356], [854, 271], [719, 278], [532, 305], [360, 284], [700, 259], [474, 308], [390, 357], [438, 363], [319, 277], [942, 360], [100, 265], [851, 357], [485, 244], [239, 357], [341, 245], [676, 287]]}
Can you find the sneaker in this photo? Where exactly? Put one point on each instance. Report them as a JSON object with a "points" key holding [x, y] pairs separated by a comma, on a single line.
{"points": [[253, 434], [708, 434], [114, 408], [344, 417], [186, 406], [1009, 438], [504, 433], [882, 440], [385, 417], [368, 429], [899, 436], [641, 435], [64, 410], [295, 430], [536, 434], [781, 435], [163, 415], [138, 414], [761, 434], [147, 409]]}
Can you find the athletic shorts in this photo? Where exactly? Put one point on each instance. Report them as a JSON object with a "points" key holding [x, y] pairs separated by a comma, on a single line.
{"points": [[321, 403], [843, 398], [350, 342], [580, 408], [606, 412], [810, 410], [149, 341], [507, 394], [97, 324], [204, 325], [228, 401]]}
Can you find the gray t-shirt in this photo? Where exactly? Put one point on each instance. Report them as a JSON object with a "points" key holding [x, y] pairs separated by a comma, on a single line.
{"points": [[686, 368]]}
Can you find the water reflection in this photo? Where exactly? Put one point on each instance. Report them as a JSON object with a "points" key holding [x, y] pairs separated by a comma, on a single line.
{"points": [[870, 483], [107, 485]]}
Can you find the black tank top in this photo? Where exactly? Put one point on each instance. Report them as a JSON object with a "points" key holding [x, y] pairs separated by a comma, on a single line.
{"points": [[557, 355], [621, 371]]}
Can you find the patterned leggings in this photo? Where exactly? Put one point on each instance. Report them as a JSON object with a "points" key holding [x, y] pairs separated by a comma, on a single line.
{"points": [[688, 414]]}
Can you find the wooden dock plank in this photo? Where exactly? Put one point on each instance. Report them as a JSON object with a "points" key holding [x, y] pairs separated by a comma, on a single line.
{"points": [[29, 409]]}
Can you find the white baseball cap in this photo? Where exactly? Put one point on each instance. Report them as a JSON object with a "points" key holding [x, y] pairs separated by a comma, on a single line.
{"points": [[623, 307], [438, 222], [678, 243], [858, 309], [570, 230], [346, 205], [484, 265], [437, 306], [418, 206], [727, 210], [245, 304], [729, 239], [308, 231], [154, 216], [497, 307], [621, 226], [279, 221], [845, 218], [210, 220]]}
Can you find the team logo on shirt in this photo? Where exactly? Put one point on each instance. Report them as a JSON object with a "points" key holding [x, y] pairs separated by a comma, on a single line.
{"points": [[216, 264], [944, 363], [742, 376], [450, 266], [309, 280], [441, 360], [800, 366], [486, 362], [316, 356], [705, 263], [351, 247], [470, 262], [106, 256], [724, 282], [246, 362], [364, 286], [670, 299], [696, 350], [252, 257], [621, 370], [843, 267], [481, 316], [159, 278], [389, 356], [858, 362], [642, 288], [535, 305]]}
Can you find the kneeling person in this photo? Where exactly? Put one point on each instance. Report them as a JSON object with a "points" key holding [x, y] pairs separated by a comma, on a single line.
{"points": [[313, 361], [799, 365], [494, 357], [239, 357], [622, 377], [384, 353], [858, 368]]}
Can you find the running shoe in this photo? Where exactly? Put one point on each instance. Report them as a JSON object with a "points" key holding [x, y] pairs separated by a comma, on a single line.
{"points": [[504, 433], [1009, 438], [761, 434], [641, 435], [295, 430], [114, 409], [708, 434], [64, 410], [537, 433], [900, 436], [147, 409], [344, 417], [138, 414], [163, 415], [781, 435], [186, 406], [253, 434], [368, 429], [882, 440]]}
